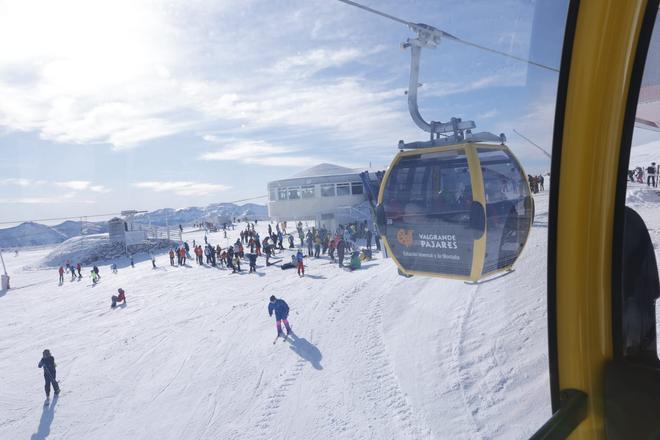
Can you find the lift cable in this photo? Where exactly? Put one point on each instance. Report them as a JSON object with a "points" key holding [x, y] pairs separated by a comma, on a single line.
{"points": [[423, 28], [543, 150]]}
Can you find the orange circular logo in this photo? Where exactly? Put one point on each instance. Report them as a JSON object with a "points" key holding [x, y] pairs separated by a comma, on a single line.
{"points": [[405, 237]]}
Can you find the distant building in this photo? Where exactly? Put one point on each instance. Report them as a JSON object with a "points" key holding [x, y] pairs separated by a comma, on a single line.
{"points": [[327, 194], [117, 229]]}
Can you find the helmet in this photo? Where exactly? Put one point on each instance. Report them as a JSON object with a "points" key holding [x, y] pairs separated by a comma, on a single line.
{"points": [[272, 298]]}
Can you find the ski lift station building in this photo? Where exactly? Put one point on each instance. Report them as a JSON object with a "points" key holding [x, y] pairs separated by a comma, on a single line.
{"points": [[327, 194]]}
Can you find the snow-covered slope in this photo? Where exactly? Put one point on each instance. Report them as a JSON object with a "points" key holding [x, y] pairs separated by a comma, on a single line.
{"points": [[376, 356], [30, 234]]}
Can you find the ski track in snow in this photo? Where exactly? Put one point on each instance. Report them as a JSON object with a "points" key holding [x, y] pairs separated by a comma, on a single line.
{"points": [[461, 366], [383, 391]]}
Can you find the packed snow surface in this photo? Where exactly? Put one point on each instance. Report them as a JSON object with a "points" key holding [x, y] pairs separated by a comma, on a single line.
{"points": [[374, 356]]}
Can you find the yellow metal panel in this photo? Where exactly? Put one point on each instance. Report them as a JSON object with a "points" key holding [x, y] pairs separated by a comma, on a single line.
{"points": [[478, 195], [602, 58]]}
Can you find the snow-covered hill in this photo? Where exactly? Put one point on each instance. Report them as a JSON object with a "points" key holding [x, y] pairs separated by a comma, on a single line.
{"points": [[35, 234], [30, 234], [195, 214], [93, 249], [375, 356]]}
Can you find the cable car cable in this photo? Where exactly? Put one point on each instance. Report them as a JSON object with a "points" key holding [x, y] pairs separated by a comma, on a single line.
{"points": [[437, 33], [533, 143]]}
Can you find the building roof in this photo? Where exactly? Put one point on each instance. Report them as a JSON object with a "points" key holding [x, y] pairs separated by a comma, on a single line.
{"points": [[323, 169]]}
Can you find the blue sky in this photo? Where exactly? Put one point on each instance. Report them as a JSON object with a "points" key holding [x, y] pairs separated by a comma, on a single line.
{"points": [[118, 105]]}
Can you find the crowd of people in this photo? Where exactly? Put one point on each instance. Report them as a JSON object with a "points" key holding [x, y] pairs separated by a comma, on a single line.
{"points": [[536, 183], [646, 175], [319, 242]]}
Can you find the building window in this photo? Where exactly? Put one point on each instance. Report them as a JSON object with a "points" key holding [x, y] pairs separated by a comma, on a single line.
{"points": [[308, 192], [294, 193], [282, 194], [328, 190], [273, 194], [357, 188], [343, 189]]}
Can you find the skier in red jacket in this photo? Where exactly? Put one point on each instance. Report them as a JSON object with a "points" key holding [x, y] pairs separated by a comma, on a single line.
{"points": [[118, 298]]}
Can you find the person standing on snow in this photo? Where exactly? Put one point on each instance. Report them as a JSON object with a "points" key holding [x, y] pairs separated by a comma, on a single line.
{"points": [[253, 262], [369, 236], [650, 175], [61, 272], [341, 248], [47, 362], [300, 264], [281, 309], [78, 268]]}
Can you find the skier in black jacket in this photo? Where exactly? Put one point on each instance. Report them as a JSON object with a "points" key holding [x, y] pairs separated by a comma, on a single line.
{"points": [[47, 362]]}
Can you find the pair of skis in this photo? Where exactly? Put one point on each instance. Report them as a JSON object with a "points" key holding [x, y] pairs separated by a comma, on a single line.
{"points": [[285, 337]]}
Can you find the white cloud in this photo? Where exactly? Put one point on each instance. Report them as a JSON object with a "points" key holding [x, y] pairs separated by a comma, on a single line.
{"points": [[259, 152], [76, 185], [18, 181], [318, 59], [183, 188], [50, 200], [82, 185], [244, 150]]}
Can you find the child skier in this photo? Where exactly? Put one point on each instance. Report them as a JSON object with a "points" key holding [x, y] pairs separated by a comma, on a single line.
{"points": [[78, 268], [281, 309], [61, 272], [118, 298], [114, 268], [300, 263], [47, 362]]}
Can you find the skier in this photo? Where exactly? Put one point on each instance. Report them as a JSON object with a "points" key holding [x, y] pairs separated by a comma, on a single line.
{"points": [[331, 249], [237, 263], [281, 309], [153, 261], [132, 263], [341, 247], [118, 298], [78, 268], [650, 175], [95, 277], [253, 262], [171, 257], [114, 268], [300, 263], [310, 243], [369, 236], [47, 362], [61, 271], [73, 272], [95, 269]]}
